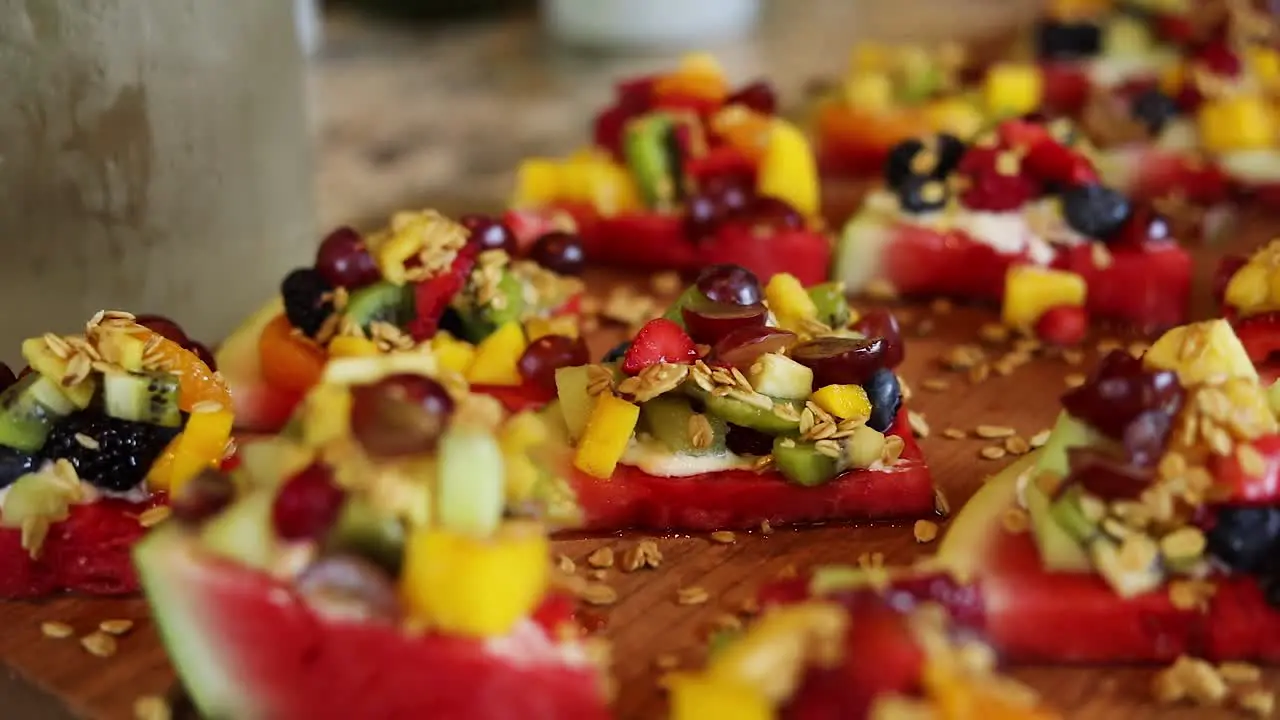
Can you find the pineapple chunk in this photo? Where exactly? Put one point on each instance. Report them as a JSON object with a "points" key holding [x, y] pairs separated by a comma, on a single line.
{"points": [[565, 325], [1200, 352], [788, 299], [1249, 288], [452, 353], [605, 439], [478, 587], [1029, 291], [538, 183], [843, 401], [497, 356], [349, 346], [695, 698], [1245, 122], [788, 170], [1013, 89]]}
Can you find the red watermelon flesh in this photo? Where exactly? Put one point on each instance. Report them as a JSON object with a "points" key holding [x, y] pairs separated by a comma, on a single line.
{"points": [[86, 553], [741, 499], [246, 646]]}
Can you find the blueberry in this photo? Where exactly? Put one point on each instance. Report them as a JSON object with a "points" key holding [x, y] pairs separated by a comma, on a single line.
{"points": [[897, 166], [901, 164], [1245, 538], [1096, 211], [1067, 40], [885, 395], [1154, 109], [922, 194], [618, 352]]}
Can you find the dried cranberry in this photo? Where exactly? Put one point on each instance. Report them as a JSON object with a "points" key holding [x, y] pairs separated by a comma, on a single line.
{"points": [[1120, 390], [308, 504]]}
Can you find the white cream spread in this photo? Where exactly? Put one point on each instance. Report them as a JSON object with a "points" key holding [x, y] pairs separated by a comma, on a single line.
{"points": [[657, 459]]}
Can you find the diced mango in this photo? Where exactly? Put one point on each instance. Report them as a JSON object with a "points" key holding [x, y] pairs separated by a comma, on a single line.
{"points": [[609, 429], [1242, 122], [537, 327], [350, 346], [1249, 288], [202, 443], [788, 170], [479, 587], [605, 185], [538, 183], [1265, 63], [1029, 291], [843, 401], [788, 298], [700, 698], [869, 91], [1013, 89], [523, 431], [497, 356], [452, 353], [958, 116]]}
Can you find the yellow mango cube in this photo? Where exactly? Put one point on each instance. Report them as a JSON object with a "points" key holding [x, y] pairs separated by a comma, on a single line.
{"points": [[1244, 122], [496, 357], [605, 185], [349, 346], [788, 170], [788, 298], [869, 91], [843, 401], [452, 353], [958, 116], [605, 438], [537, 327], [1249, 288], [202, 443], [539, 181], [478, 587], [1029, 291], [700, 698], [1013, 89]]}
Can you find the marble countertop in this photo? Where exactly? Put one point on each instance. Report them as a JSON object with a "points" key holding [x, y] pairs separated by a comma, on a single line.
{"points": [[441, 115]]}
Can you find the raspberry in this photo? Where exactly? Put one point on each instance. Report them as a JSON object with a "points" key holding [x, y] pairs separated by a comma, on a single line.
{"points": [[308, 504], [124, 453], [307, 301], [432, 297], [996, 180]]}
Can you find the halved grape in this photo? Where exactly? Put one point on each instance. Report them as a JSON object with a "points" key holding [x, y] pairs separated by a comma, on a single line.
{"points": [[400, 415], [343, 260], [489, 233], [708, 321], [1106, 475], [1121, 389], [840, 360], [549, 353], [770, 213], [741, 347], [732, 284], [882, 323]]}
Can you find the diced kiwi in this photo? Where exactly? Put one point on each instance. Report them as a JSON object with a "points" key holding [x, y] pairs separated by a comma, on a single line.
{"points": [[801, 463], [667, 418], [381, 302], [479, 322], [645, 145], [243, 532], [150, 397], [779, 376], [43, 361], [471, 489], [363, 531], [833, 308], [675, 313], [741, 412], [1067, 514], [27, 412]]}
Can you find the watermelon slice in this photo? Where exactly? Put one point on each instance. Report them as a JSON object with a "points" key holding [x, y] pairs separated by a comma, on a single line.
{"points": [[741, 499], [247, 646]]}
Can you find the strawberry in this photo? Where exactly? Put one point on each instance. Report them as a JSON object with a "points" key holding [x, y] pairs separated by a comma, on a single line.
{"points": [[991, 185], [1063, 325], [431, 297], [659, 341], [1260, 335], [1052, 162], [1251, 487]]}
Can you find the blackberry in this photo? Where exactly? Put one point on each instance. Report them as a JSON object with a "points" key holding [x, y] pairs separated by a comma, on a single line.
{"points": [[307, 300], [1153, 109], [922, 194], [1246, 538], [124, 453], [903, 163], [1067, 40], [14, 464], [1096, 211]]}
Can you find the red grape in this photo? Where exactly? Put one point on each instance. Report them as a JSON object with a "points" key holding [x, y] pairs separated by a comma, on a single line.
{"points": [[839, 360], [164, 327], [1120, 390], [731, 284], [560, 252], [308, 504], [758, 96], [743, 346], [344, 261], [771, 213], [350, 585], [1144, 226], [7, 377], [202, 497], [1146, 436], [400, 415], [701, 216], [1105, 475], [549, 353], [881, 323], [707, 321], [489, 233], [731, 191]]}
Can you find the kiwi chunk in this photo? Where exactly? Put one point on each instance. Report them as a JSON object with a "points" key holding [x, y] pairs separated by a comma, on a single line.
{"points": [[741, 412], [381, 302], [675, 313], [801, 463], [363, 531], [149, 397], [669, 419], [833, 308], [479, 321], [28, 410]]}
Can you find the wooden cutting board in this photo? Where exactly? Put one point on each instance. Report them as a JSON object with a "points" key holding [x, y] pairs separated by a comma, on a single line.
{"points": [[58, 678]]}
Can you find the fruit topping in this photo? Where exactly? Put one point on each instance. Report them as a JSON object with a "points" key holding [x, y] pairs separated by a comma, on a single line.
{"points": [[617, 352], [843, 401], [731, 284], [708, 321], [489, 233], [400, 415], [1068, 40], [287, 361], [885, 394], [28, 410], [921, 195], [560, 252], [788, 170], [1012, 89], [308, 300], [831, 304], [779, 376], [1064, 325], [164, 327], [742, 347], [1119, 391], [757, 95], [840, 360], [882, 323], [1059, 165], [993, 179], [1031, 291], [1246, 538], [608, 430], [1095, 211], [344, 261], [932, 158], [748, 441], [660, 341], [673, 422], [804, 463], [1107, 475], [307, 505], [497, 357], [1154, 110], [150, 397], [1202, 352], [14, 464], [351, 588], [106, 452], [549, 353], [205, 495]]}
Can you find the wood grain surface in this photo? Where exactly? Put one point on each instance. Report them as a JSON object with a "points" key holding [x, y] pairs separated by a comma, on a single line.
{"points": [[647, 624]]}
